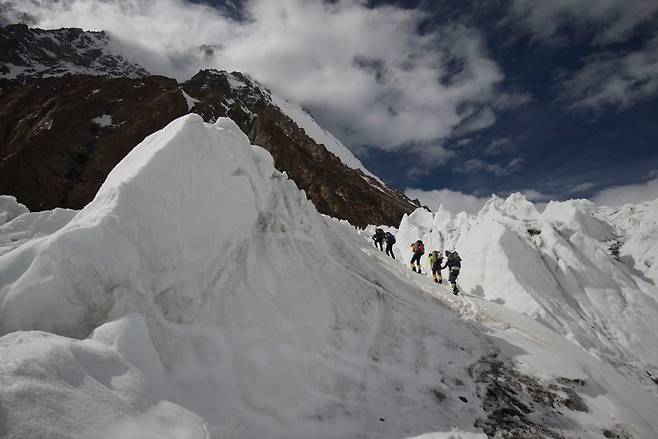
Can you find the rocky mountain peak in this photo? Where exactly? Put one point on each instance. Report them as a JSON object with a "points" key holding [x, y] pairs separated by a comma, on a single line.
{"points": [[28, 53]]}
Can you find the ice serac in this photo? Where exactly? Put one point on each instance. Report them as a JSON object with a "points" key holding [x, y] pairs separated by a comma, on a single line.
{"points": [[561, 268]]}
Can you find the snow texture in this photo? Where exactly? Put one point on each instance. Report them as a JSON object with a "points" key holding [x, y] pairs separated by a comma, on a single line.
{"points": [[200, 294]]}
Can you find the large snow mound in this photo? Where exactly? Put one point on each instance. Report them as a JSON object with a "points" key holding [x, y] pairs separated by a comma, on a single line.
{"points": [[559, 268], [201, 294]]}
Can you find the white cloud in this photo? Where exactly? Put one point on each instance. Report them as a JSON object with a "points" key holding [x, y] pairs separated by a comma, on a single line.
{"points": [[607, 20], [474, 165], [500, 145], [582, 187], [629, 194], [536, 196], [366, 73], [452, 201], [507, 101], [611, 80]]}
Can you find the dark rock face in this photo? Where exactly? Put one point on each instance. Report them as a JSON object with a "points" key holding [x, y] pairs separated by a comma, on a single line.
{"points": [[26, 53], [62, 133], [60, 137]]}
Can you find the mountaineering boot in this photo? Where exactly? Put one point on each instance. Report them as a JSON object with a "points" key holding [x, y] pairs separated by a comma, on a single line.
{"points": [[413, 267]]}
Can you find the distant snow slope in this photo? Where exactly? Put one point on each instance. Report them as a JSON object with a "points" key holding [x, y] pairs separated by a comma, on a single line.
{"points": [[559, 268], [200, 294]]}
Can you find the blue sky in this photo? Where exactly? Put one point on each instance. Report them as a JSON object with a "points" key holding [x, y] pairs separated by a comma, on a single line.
{"points": [[554, 145], [451, 100], [564, 150]]}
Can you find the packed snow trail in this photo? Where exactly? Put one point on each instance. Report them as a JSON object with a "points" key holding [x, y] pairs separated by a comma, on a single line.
{"points": [[201, 285]]}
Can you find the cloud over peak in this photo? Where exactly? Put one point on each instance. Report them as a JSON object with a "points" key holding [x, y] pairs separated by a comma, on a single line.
{"points": [[367, 73]]}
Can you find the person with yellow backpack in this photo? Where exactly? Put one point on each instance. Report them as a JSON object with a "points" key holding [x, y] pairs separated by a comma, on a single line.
{"points": [[436, 259]]}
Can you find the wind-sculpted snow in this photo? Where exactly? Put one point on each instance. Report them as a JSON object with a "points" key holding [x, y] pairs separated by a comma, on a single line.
{"points": [[200, 294], [559, 268]]}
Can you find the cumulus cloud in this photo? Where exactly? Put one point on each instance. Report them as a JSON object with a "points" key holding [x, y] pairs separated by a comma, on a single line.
{"points": [[366, 73], [607, 20], [452, 201], [609, 79], [617, 196]]}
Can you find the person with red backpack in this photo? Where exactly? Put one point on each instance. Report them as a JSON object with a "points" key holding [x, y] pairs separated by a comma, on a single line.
{"points": [[418, 249]]}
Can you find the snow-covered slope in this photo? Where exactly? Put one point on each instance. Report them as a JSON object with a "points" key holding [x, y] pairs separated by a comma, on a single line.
{"points": [[559, 268], [636, 229], [205, 297]]}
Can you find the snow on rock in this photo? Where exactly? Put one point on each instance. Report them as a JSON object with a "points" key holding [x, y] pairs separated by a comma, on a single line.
{"points": [[104, 120], [556, 268], [191, 102], [221, 304]]}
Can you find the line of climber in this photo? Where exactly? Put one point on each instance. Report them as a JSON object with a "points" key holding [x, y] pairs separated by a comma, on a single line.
{"points": [[453, 263], [452, 259]]}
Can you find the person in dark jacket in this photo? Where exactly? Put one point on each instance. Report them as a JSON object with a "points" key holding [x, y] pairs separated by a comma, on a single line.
{"points": [[454, 264], [378, 237], [418, 249], [390, 240]]}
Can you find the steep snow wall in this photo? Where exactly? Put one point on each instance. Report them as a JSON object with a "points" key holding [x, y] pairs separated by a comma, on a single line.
{"points": [[200, 294], [557, 268]]}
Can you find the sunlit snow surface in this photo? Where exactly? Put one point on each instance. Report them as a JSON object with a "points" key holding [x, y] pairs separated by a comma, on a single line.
{"points": [[200, 294], [559, 268]]}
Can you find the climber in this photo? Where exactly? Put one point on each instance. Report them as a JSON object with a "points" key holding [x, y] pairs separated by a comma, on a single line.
{"points": [[390, 240], [454, 264], [418, 249], [436, 259], [378, 237]]}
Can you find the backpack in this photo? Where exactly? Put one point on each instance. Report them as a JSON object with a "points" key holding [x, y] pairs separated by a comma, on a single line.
{"points": [[379, 232], [455, 260], [390, 238], [419, 247]]}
